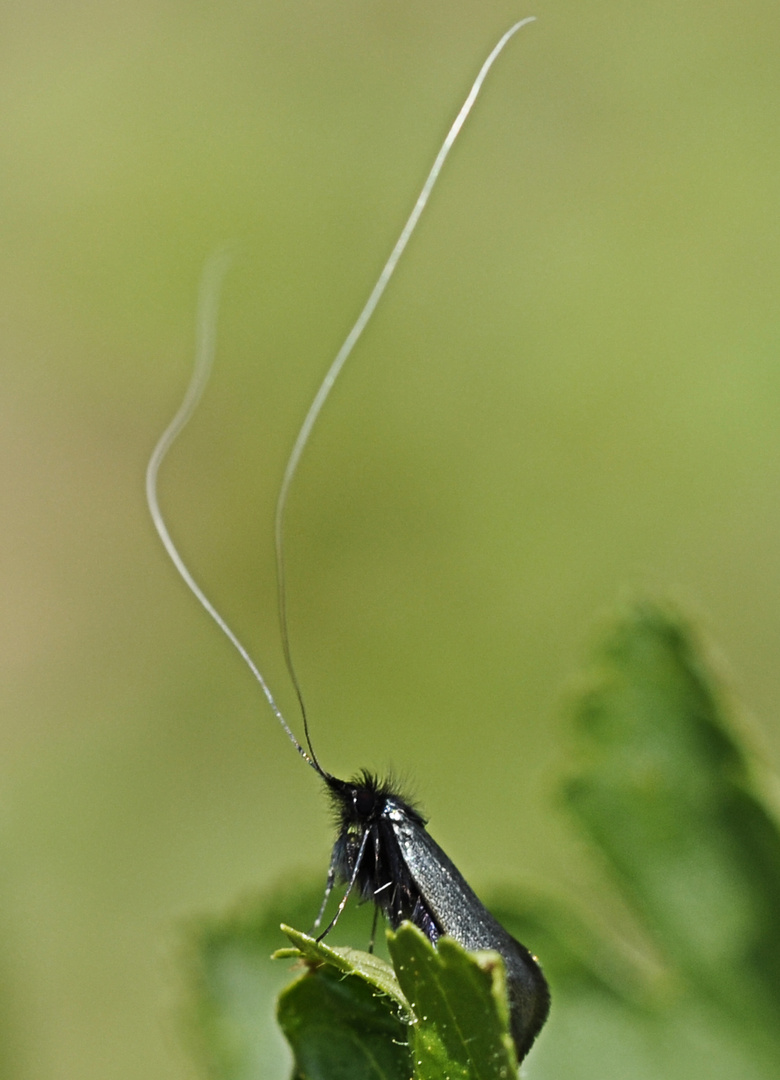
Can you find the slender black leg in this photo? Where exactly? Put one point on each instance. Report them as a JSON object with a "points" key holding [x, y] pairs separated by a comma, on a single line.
{"points": [[328, 890], [345, 897], [373, 929]]}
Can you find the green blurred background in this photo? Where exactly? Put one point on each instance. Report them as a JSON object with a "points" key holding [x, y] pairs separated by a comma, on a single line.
{"points": [[571, 389]]}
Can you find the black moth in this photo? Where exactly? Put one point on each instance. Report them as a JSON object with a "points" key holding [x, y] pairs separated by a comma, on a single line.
{"points": [[382, 850], [385, 852]]}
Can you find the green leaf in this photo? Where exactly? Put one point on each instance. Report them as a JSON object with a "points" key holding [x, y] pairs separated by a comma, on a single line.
{"points": [[374, 971], [345, 1016], [340, 1028], [459, 1000], [350, 1014], [668, 795], [233, 984]]}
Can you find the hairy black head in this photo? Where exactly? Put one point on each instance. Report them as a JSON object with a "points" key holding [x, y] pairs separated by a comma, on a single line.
{"points": [[361, 801]]}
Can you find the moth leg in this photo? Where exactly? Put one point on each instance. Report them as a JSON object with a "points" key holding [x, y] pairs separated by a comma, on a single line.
{"points": [[373, 929], [350, 886], [377, 863], [330, 882]]}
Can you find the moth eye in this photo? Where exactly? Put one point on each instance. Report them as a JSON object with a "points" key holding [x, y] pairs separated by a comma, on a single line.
{"points": [[363, 801]]}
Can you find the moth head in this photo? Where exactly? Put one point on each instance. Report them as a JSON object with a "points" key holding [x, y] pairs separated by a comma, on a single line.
{"points": [[364, 799]]}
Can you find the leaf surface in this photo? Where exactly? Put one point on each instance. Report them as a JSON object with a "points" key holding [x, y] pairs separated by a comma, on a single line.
{"points": [[459, 1000]]}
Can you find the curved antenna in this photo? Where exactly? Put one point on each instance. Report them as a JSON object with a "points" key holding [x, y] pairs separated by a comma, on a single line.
{"points": [[208, 307], [351, 340]]}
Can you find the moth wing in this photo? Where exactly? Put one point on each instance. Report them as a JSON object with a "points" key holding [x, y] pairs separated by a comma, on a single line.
{"points": [[462, 915]]}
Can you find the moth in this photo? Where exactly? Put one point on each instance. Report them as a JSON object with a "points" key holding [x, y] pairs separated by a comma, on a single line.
{"points": [[383, 852]]}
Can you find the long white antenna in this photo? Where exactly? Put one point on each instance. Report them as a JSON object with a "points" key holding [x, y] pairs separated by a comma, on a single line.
{"points": [[344, 352], [208, 307], [205, 344]]}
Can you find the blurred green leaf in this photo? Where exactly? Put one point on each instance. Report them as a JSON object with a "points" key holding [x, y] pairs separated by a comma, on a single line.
{"points": [[232, 986], [578, 959], [666, 792]]}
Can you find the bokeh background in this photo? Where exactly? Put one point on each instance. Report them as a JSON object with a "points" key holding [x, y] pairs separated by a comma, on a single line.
{"points": [[570, 391]]}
